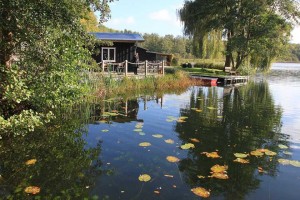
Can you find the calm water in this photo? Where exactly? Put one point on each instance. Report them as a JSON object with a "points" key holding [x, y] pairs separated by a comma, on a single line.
{"points": [[106, 161]]}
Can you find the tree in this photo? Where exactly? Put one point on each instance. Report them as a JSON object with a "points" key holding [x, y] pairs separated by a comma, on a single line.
{"points": [[246, 25], [42, 51]]}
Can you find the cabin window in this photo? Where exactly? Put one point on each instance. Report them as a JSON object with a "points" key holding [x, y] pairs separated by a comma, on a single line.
{"points": [[108, 54]]}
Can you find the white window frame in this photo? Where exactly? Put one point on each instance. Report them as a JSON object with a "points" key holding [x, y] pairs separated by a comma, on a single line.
{"points": [[108, 56]]}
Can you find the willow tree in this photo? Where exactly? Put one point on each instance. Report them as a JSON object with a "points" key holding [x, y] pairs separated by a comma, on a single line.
{"points": [[250, 27], [42, 52]]}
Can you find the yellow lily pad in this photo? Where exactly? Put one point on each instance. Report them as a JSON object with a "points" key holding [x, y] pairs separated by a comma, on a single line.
{"points": [[241, 160], [284, 161], [256, 153], [138, 130], [172, 159], [187, 146], [270, 153], [219, 168], [169, 141], [30, 162], [157, 135], [240, 155], [145, 144], [281, 146], [220, 175], [180, 121], [32, 190], [211, 154], [201, 192], [198, 110], [144, 177], [295, 163]]}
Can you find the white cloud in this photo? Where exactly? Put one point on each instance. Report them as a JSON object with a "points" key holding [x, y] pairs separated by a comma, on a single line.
{"points": [[122, 21], [161, 15]]}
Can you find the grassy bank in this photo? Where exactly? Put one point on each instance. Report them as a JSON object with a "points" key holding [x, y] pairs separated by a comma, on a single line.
{"points": [[179, 80]]}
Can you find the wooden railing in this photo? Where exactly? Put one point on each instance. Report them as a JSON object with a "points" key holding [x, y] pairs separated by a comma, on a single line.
{"points": [[144, 68]]}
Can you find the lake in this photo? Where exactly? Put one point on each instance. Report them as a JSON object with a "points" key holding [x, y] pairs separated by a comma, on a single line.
{"points": [[240, 142]]}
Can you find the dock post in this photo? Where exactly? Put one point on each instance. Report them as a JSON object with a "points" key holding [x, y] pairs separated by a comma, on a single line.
{"points": [[163, 67], [126, 67], [146, 68], [102, 66]]}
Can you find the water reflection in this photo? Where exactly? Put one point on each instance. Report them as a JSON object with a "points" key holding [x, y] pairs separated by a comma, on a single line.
{"points": [[239, 120], [64, 169]]}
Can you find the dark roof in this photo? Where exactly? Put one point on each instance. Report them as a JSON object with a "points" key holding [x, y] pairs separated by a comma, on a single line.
{"points": [[119, 37]]}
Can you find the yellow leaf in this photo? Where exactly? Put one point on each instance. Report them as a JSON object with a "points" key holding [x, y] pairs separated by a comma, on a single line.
{"points": [[219, 168], [201, 192], [172, 159], [212, 154], [256, 153], [281, 146], [180, 120], [198, 110], [144, 177], [194, 140], [270, 153], [32, 190], [284, 161], [30, 162], [145, 144], [169, 176], [220, 175], [199, 176], [188, 146], [241, 160], [157, 136], [169, 141], [240, 155]]}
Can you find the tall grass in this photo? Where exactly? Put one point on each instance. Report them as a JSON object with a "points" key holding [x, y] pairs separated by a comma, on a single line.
{"points": [[107, 86]]}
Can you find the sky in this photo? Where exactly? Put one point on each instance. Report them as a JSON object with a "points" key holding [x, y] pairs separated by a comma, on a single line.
{"points": [[153, 16]]}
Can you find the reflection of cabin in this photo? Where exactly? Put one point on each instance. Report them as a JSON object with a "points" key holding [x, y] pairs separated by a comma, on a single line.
{"points": [[123, 46], [145, 54]]}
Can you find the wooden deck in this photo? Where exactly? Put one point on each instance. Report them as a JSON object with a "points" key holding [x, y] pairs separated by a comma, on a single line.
{"points": [[222, 80]]}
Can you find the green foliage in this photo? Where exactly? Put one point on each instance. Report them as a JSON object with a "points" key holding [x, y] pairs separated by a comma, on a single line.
{"points": [[43, 55], [256, 29]]}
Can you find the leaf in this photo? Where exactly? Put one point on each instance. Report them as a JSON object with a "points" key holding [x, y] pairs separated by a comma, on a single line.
{"points": [[201, 192], [281, 146], [256, 153], [195, 140], [169, 141], [219, 168], [172, 159], [142, 133], [201, 177], [30, 162], [241, 160], [295, 163], [211, 108], [180, 121], [183, 117], [169, 176], [144, 177], [287, 153], [240, 155], [198, 110], [220, 175], [145, 144], [211, 154], [32, 190], [104, 130], [138, 130], [187, 146], [284, 161], [270, 153], [157, 135]]}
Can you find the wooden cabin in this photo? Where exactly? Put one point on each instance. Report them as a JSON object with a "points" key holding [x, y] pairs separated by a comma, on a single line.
{"points": [[145, 54], [123, 47]]}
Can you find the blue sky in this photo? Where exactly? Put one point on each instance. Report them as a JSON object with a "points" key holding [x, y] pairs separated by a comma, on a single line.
{"points": [[152, 16]]}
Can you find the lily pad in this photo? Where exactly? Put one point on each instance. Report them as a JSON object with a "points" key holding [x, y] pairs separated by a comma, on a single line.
{"points": [[211, 154], [105, 130], [195, 140], [145, 144], [220, 175], [281, 146], [198, 110], [240, 155], [284, 161], [219, 168], [270, 153], [201, 192], [169, 141], [295, 163], [256, 153], [187, 146], [30, 162], [32, 190], [241, 160], [172, 159], [287, 153], [144, 177], [157, 135]]}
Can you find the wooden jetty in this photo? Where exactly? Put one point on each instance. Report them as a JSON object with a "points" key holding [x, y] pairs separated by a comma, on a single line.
{"points": [[222, 80]]}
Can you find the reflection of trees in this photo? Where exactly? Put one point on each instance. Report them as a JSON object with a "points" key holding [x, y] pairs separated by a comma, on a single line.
{"points": [[239, 120], [63, 169]]}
